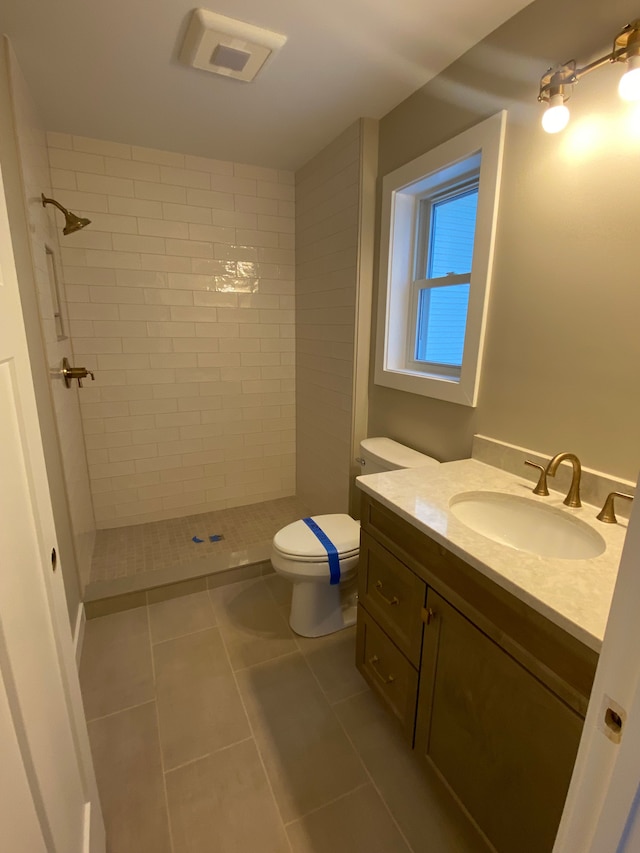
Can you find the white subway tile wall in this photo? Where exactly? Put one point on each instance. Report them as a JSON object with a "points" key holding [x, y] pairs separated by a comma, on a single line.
{"points": [[326, 211], [181, 299]]}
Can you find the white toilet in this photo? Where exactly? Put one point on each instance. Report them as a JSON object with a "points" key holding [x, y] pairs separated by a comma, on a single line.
{"points": [[319, 555]]}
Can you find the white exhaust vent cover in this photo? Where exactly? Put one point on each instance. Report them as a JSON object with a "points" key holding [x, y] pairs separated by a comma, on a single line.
{"points": [[228, 47]]}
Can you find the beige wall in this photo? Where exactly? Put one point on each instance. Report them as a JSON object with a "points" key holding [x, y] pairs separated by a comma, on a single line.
{"points": [[23, 151], [329, 276], [562, 361], [181, 299]]}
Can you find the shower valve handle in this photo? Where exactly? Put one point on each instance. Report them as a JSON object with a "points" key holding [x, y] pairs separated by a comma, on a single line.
{"points": [[70, 373]]}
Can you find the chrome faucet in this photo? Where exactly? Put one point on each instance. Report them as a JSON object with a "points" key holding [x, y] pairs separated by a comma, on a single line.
{"points": [[573, 495]]}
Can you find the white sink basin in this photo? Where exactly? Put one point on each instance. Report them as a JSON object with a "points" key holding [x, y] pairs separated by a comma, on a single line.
{"points": [[527, 525]]}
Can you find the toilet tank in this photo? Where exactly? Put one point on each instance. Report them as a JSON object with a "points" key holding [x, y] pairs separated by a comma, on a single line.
{"points": [[384, 454]]}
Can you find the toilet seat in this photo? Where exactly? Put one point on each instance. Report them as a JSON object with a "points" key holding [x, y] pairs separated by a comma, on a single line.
{"points": [[342, 555], [297, 542], [313, 570]]}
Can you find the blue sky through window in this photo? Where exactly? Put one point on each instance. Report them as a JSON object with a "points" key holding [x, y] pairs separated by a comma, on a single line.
{"points": [[442, 311]]}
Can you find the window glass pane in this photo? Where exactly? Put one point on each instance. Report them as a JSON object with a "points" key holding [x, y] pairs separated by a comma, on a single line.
{"points": [[442, 318], [453, 224]]}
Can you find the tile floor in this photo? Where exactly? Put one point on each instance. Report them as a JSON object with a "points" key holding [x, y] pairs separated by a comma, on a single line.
{"points": [[215, 729], [125, 551]]}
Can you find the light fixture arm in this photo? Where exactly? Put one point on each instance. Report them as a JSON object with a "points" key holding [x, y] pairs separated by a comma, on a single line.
{"points": [[559, 77]]}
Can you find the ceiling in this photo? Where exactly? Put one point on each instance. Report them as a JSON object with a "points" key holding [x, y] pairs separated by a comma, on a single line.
{"points": [[110, 70]]}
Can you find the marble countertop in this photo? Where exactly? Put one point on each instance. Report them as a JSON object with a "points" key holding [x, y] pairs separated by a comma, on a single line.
{"points": [[574, 594]]}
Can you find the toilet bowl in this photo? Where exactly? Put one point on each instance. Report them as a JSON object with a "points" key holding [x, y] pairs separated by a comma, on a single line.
{"points": [[319, 555]]}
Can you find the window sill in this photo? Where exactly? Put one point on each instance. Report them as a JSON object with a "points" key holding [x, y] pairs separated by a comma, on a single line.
{"points": [[448, 388]]}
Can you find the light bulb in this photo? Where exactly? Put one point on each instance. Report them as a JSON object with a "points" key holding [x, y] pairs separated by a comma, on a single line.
{"points": [[629, 85], [556, 117]]}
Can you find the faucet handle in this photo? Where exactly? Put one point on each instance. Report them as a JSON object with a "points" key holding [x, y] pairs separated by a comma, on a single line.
{"points": [[70, 373], [541, 486], [607, 513]]}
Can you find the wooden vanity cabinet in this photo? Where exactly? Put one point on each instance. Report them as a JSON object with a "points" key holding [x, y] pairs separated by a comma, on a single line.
{"points": [[501, 692]]}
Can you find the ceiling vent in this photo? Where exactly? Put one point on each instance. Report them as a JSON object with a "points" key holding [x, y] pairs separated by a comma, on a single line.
{"points": [[224, 46]]}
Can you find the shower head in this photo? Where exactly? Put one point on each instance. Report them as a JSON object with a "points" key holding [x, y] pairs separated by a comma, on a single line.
{"points": [[72, 222]]}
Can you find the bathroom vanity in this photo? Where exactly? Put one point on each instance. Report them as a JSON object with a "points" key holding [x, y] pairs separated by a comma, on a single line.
{"points": [[489, 684]]}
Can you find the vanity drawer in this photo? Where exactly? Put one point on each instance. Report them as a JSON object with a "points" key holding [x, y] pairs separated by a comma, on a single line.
{"points": [[388, 672], [393, 595]]}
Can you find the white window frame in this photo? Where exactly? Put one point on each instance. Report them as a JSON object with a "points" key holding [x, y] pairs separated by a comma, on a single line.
{"points": [[402, 192]]}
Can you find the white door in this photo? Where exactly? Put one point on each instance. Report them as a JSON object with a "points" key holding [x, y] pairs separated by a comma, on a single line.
{"points": [[602, 812], [46, 774]]}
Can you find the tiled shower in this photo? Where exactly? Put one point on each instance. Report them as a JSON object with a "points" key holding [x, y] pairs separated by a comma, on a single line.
{"points": [[181, 298]]}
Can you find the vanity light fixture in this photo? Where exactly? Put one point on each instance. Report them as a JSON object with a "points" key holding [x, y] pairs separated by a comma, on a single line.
{"points": [[557, 83]]}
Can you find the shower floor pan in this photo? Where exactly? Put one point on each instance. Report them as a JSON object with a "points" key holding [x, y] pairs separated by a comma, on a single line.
{"points": [[180, 555]]}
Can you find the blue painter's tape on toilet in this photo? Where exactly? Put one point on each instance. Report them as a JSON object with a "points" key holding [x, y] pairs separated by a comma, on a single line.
{"points": [[330, 548]]}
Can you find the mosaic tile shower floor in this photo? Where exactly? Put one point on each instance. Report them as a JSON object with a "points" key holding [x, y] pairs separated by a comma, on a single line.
{"points": [[160, 546]]}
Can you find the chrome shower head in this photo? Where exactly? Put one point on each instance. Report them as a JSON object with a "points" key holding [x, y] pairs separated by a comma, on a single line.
{"points": [[72, 222]]}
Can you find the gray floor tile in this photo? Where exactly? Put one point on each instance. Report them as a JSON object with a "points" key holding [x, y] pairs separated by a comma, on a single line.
{"points": [[308, 758], [223, 804], [198, 702], [253, 628], [179, 616], [357, 823], [281, 589], [126, 755], [115, 670], [333, 661], [429, 817]]}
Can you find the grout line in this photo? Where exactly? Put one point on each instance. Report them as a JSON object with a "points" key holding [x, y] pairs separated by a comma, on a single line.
{"points": [[329, 803], [268, 660], [181, 636], [207, 755], [360, 759], [162, 768], [120, 711], [351, 743], [365, 689], [255, 740]]}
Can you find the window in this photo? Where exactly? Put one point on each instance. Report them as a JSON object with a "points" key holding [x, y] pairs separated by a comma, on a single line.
{"points": [[439, 214]]}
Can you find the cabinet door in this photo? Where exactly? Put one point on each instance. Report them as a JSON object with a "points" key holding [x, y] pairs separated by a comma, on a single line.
{"points": [[502, 740]]}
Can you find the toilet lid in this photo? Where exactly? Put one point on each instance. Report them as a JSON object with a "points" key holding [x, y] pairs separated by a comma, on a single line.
{"points": [[390, 454], [297, 540]]}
